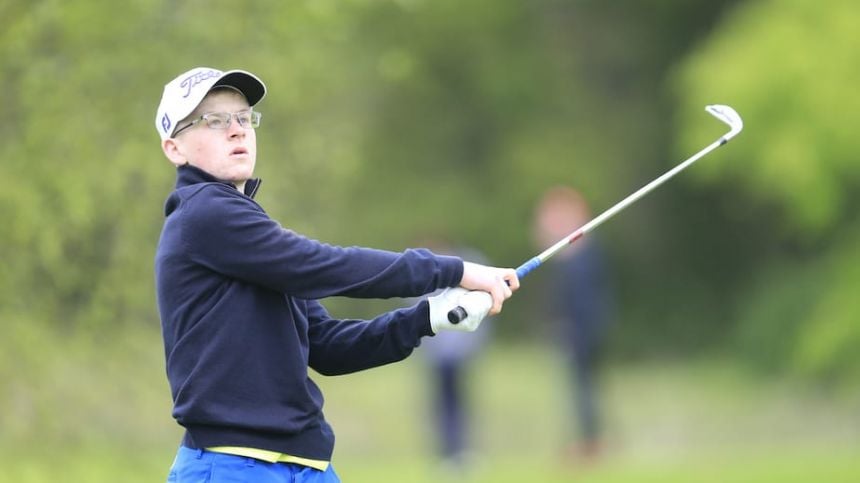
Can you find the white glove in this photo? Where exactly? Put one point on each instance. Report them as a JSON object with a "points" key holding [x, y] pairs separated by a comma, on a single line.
{"points": [[476, 303]]}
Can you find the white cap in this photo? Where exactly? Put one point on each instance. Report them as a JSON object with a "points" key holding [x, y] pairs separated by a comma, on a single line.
{"points": [[183, 94]]}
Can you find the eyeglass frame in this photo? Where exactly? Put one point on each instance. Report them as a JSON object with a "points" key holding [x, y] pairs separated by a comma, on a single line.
{"points": [[255, 120]]}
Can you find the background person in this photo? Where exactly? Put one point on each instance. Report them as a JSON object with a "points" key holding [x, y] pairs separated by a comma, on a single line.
{"points": [[448, 356], [580, 304]]}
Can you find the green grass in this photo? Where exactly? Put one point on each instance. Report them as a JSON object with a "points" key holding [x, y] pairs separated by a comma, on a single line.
{"points": [[97, 410], [705, 421]]}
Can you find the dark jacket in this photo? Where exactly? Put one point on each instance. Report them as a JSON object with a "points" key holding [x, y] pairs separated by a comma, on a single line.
{"points": [[583, 299], [237, 294]]}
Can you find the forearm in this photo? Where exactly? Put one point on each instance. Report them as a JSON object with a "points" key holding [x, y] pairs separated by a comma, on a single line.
{"points": [[346, 346], [240, 241]]}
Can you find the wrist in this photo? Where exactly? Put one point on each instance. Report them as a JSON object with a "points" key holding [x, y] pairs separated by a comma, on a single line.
{"points": [[423, 314]]}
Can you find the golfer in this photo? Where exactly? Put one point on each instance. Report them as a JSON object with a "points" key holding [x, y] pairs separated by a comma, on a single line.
{"points": [[238, 296]]}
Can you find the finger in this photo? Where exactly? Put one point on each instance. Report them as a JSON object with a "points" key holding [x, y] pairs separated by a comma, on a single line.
{"points": [[497, 307], [504, 289], [507, 286], [498, 299], [512, 280]]}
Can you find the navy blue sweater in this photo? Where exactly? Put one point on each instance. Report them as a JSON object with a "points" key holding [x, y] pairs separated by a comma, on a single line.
{"points": [[237, 295]]}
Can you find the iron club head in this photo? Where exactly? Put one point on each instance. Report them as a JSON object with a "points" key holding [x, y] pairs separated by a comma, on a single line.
{"points": [[728, 116]]}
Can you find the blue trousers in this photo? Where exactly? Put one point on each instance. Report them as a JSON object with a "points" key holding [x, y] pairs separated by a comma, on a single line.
{"points": [[450, 410], [201, 466]]}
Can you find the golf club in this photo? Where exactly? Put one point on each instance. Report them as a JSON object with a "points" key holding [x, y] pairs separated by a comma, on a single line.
{"points": [[723, 113]]}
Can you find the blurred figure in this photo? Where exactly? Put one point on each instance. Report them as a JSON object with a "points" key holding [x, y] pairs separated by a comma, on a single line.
{"points": [[448, 355], [580, 303]]}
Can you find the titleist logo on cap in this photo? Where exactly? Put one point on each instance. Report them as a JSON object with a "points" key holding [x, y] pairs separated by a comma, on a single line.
{"points": [[189, 82]]}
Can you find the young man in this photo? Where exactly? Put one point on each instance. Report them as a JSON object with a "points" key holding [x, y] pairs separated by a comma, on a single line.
{"points": [[238, 299]]}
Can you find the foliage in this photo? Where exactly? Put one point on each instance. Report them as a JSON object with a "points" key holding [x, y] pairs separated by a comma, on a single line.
{"points": [[385, 121], [388, 120], [795, 169]]}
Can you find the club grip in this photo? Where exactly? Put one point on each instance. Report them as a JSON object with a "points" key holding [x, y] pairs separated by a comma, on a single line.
{"points": [[527, 267], [457, 314]]}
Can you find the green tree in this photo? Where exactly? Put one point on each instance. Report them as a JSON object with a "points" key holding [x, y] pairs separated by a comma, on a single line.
{"points": [[385, 120], [789, 68]]}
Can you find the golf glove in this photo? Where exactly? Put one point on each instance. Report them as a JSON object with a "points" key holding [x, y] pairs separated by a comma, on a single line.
{"points": [[476, 303]]}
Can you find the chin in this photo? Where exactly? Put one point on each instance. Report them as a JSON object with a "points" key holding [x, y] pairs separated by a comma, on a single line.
{"points": [[243, 173]]}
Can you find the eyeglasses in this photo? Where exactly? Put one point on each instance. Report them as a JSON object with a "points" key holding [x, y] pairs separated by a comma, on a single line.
{"points": [[222, 120]]}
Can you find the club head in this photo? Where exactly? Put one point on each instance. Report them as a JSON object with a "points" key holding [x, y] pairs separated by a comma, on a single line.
{"points": [[728, 116]]}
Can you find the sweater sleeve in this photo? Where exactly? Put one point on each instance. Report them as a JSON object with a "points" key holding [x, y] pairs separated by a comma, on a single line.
{"points": [[232, 235], [345, 346]]}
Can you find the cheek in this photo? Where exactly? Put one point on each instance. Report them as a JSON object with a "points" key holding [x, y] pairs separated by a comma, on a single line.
{"points": [[203, 154], [209, 150]]}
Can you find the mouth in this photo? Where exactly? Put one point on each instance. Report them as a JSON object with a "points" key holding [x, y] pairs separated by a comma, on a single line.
{"points": [[239, 152]]}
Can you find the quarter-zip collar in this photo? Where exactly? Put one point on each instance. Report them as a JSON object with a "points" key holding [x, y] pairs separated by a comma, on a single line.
{"points": [[187, 175]]}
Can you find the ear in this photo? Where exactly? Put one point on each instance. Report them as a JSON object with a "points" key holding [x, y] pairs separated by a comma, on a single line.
{"points": [[172, 151]]}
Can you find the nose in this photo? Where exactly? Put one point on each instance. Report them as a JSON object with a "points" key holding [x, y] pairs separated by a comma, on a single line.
{"points": [[235, 129]]}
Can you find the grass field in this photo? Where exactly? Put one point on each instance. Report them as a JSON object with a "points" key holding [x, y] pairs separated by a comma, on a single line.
{"points": [[705, 421]]}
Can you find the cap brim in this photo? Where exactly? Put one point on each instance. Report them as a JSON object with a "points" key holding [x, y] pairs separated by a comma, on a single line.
{"points": [[247, 83]]}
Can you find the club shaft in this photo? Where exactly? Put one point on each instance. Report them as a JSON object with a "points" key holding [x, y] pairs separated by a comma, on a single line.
{"points": [[457, 314], [545, 255]]}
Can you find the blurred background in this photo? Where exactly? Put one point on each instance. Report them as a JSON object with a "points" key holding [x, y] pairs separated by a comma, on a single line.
{"points": [[732, 353]]}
